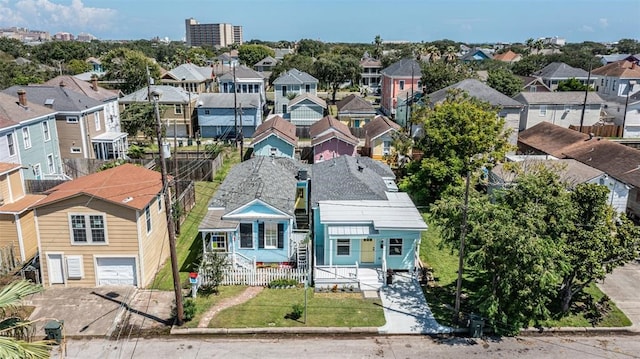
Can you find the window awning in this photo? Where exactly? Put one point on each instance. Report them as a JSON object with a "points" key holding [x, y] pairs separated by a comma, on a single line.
{"points": [[351, 230]]}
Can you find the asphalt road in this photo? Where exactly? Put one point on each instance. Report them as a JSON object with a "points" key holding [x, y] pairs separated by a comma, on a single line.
{"points": [[326, 347]]}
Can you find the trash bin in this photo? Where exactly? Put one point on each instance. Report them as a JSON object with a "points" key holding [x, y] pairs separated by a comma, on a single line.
{"points": [[53, 329], [189, 142], [389, 276], [179, 143], [476, 326]]}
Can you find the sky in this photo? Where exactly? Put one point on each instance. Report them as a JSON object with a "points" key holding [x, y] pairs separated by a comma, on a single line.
{"points": [[354, 21]]}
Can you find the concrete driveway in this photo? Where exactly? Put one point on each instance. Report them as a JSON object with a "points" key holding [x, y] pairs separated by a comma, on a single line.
{"points": [[623, 287], [102, 311]]}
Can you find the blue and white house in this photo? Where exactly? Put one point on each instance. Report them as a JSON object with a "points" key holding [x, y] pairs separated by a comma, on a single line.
{"points": [[252, 216], [290, 85], [220, 113], [28, 136], [275, 137], [360, 220]]}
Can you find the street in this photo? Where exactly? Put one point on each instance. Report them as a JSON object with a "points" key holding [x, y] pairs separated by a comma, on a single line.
{"points": [[329, 346]]}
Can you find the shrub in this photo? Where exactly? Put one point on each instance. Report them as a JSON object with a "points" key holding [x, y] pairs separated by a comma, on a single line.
{"points": [[189, 307], [278, 283], [135, 151], [296, 311]]}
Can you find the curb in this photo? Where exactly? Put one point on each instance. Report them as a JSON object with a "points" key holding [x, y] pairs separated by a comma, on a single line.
{"points": [[632, 330], [282, 330]]}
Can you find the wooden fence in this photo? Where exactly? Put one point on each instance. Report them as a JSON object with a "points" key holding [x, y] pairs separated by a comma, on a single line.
{"points": [[186, 199], [600, 131], [40, 186], [261, 276], [8, 260]]}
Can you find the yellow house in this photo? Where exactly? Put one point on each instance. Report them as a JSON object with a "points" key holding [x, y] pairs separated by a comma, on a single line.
{"points": [[17, 224], [378, 138], [107, 228]]}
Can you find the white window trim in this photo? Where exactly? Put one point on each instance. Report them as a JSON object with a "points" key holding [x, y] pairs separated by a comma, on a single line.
{"points": [[90, 241], [11, 144], [73, 119], [96, 119], [75, 149], [51, 165], [159, 199], [148, 221], [37, 170], [401, 245], [338, 244], [46, 131], [275, 239], [26, 140], [542, 110], [253, 245]]}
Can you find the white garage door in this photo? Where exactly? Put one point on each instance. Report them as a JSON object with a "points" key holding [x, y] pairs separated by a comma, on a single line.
{"points": [[117, 271]]}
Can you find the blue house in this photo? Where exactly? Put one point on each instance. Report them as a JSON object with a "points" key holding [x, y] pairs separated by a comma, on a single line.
{"points": [[220, 113], [290, 85], [28, 136], [306, 109], [252, 216], [275, 137], [360, 219]]}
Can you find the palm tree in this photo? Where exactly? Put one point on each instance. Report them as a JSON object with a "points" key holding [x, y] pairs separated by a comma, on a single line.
{"points": [[16, 333], [434, 53], [538, 45], [529, 44], [377, 50], [450, 54]]}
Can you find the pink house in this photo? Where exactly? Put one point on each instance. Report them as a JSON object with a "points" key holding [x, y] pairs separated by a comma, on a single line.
{"points": [[331, 138], [399, 77]]}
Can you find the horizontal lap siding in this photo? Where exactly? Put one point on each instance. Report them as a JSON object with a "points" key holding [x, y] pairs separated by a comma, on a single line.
{"points": [[53, 224], [9, 232], [155, 245], [29, 236]]}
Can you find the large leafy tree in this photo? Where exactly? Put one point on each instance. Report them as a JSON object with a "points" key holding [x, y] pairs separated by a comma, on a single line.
{"points": [[15, 332], [311, 48], [440, 74], [504, 81], [334, 70], [628, 46], [129, 69], [536, 245], [139, 118], [461, 134], [250, 54], [572, 84]]}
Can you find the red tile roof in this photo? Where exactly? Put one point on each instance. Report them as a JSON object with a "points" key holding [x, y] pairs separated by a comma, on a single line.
{"points": [[126, 185]]}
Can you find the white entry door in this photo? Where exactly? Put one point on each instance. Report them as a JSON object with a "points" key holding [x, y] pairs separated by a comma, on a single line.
{"points": [[116, 271], [56, 274]]}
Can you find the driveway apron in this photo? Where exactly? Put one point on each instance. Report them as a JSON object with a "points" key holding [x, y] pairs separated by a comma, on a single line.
{"points": [[406, 310]]}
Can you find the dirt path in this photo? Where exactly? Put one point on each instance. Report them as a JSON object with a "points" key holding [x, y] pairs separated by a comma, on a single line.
{"points": [[226, 303]]}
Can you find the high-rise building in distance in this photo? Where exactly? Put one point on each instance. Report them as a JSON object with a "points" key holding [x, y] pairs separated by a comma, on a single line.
{"points": [[216, 35]]}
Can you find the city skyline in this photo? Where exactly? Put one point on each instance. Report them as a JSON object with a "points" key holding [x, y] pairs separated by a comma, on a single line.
{"points": [[358, 21]]}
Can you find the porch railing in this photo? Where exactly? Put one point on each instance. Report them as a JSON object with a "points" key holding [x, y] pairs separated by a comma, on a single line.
{"points": [[241, 261], [336, 274]]}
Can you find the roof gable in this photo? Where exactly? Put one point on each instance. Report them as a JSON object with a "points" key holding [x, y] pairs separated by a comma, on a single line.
{"points": [[379, 126], [276, 126], [560, 70], [477, 90], [403, 68], [308, 97], [12, 113], [329, 124], [356, 104], [63, 99], [295, 77], [620, 69]]}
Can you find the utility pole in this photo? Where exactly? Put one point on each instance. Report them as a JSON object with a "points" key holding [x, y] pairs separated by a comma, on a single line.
{"points": [[586, 92], [168, 211], [240, 136], [463, 233], [235, 107]]}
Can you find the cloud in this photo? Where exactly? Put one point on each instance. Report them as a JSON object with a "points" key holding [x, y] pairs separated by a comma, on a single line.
{"points": [[604, 23], [587, 28], [50, 16]]}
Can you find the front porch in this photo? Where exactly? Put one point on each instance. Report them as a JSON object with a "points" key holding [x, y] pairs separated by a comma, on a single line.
{"points": [[363, 278], [110, 145]]}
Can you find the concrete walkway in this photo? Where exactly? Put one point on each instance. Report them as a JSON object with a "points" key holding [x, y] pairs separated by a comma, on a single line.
{"points": [[623, 287], [406, 310]]}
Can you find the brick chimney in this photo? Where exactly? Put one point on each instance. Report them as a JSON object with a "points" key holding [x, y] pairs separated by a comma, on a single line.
{"points": [[22, 97], [94, 83]]}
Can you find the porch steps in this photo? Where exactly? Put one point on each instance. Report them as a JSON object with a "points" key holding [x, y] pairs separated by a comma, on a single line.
{"points": [[302, 255], [302, 220], [371, 279]]}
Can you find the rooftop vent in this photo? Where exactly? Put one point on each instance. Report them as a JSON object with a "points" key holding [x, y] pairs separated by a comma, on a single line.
{"points": [[128, 199]]}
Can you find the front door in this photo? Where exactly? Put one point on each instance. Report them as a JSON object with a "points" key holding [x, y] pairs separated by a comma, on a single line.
{"points": [[56, 275], [368, 250]]}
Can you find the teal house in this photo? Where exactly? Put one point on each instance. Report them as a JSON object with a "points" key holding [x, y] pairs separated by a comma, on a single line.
{"points": [[361, 221], [28, 136], [275, 137], [253, 217]]}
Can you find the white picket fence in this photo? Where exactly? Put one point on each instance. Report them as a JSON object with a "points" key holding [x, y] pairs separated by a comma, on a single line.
{"points": [[262, 276]]}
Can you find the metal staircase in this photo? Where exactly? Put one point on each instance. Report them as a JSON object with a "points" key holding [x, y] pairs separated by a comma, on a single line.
{"points": [[302, 255]]}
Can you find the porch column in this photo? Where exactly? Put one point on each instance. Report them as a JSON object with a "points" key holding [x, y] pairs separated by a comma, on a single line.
{"points": [[204, 241], [331, 252]]}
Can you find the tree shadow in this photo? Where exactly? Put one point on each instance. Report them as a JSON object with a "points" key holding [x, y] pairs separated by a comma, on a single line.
{"points": [[192, 260]]}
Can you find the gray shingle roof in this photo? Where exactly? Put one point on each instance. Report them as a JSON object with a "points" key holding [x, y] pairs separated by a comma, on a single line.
{"points": [[84, 87], [355, 104], [11, 113], [272, 180], [227, 100], [308, 96], [477, 90], [558, 98], [64, 100], [267, 61], [191, 72], [242, 72], [169, 94], [403, 68], [560, 70], [569, 170], [347, 178], [295, 77]]}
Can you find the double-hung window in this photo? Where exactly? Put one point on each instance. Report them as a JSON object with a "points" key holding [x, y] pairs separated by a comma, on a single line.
{"points": [[96, 120], [543, 110], [50, 164], [88, 229], [11, 145], [45, 131], [395, 246], [26, 137], [147, 216], [270, 235], [343, 247]]}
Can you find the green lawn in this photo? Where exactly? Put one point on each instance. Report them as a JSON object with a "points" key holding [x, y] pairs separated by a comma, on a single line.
{"points": [[203, 303], [271, 306], [441, 293], [189, 244]]}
